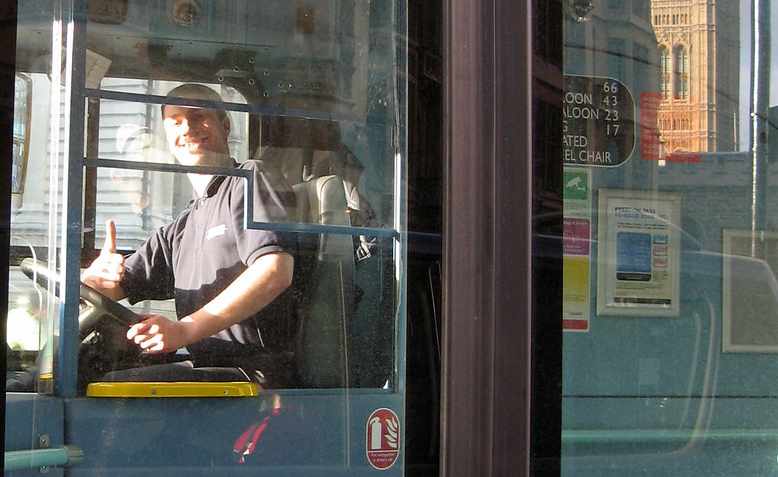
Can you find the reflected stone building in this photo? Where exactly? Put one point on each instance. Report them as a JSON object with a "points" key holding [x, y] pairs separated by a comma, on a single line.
{"points": [[699, 62]]}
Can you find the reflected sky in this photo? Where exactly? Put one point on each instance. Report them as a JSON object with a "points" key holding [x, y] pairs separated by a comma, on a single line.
{"points": [[745, 65]]}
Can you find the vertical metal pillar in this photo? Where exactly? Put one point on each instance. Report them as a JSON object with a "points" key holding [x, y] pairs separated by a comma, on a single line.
{"points": [[487, 303], [400, 157], [90, 176], [760, 102], [75, 66], [8, 23]]}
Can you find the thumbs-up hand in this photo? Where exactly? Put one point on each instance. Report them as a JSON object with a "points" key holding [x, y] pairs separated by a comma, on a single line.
{"points": [[105, 273], [109, 246]]}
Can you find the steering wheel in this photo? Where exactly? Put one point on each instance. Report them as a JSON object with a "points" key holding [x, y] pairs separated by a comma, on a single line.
{"points": [[102, 307]]}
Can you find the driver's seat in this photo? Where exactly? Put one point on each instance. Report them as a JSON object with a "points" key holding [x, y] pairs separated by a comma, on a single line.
{"points": [[325, 282]]}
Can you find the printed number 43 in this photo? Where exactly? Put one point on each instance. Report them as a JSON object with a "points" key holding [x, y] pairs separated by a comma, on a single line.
{"points": [[610, 100]]}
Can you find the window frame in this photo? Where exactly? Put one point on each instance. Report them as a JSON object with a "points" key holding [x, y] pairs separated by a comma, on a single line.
{"points": [[483, 433], [487, 353], [7, 87], [665, 72]]}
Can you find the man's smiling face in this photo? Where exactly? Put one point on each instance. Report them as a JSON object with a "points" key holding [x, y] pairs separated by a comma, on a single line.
{"points": [[197, 137]]}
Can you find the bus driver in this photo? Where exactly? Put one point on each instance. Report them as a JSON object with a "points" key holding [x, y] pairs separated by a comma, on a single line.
{"points": [[225, 279]]}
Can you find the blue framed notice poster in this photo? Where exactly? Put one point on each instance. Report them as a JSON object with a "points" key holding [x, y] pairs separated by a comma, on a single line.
{"points": [[638, 239]]}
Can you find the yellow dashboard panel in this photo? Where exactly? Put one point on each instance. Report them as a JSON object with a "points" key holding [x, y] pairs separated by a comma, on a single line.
{"points": [[172, 389]]}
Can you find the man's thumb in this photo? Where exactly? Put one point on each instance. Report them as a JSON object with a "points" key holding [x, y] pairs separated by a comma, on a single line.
{"points": [[109, 246]]}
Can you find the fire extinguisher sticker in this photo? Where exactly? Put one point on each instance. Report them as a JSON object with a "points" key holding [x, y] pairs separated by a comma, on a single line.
{"points": [[382, 438]]}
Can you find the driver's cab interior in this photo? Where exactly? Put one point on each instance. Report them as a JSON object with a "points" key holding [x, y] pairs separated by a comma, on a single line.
{"points": [[314, 98]]}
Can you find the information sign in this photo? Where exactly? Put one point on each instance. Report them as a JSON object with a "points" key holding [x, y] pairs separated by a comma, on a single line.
{"points": [[577, 249], [749, 291], [598, 122], [639, 246], [382, 438]]}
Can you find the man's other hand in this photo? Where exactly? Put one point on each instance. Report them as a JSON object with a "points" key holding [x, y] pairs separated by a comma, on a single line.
{"points": [[105, 273], [157, 334]]}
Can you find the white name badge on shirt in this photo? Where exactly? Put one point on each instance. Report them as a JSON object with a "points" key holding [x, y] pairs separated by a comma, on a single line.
{"points": [[217, 231]]}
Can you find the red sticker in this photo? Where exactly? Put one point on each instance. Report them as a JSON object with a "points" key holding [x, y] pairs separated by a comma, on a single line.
{"points": [[649, 131], [382, 438], [576, 236]]}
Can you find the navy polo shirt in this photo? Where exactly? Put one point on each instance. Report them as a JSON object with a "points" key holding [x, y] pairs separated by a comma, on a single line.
{"points": [[198, 255]]}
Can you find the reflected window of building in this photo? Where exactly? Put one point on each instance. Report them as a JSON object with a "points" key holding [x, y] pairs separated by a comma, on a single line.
{"points": [[664, 65], [617, 49], [644, 80], [681, 61]]}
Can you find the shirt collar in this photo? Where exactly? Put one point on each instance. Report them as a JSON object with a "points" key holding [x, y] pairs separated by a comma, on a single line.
{"points": [[216, 181]]}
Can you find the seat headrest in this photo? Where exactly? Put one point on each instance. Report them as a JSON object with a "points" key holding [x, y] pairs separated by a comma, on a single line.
{"points": [[322, 200]]}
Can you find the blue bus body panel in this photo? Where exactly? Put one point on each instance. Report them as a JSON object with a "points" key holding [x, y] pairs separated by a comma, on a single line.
{"points": [[27, 417], [313, 433], [737, 434]]}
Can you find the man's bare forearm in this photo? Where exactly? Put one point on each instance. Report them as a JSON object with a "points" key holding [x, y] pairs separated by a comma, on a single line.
{"points": [[251, 291]]}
